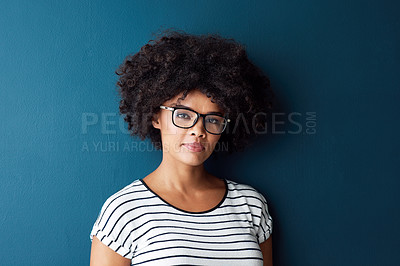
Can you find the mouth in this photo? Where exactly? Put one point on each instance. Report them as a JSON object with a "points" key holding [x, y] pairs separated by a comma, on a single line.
{"points": [[195, 146]]}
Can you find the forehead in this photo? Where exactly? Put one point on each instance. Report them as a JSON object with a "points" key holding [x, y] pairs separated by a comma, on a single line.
{"points": [[196, 100]]}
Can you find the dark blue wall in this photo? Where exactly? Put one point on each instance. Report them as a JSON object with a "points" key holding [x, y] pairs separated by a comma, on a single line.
{"points": [[333, 193]]}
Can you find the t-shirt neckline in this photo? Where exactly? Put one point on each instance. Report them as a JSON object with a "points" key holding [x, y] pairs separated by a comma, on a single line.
{"points": [[182, 210]]}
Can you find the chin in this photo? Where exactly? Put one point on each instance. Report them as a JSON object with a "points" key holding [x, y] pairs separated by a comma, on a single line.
{"points": [[193, 158]]}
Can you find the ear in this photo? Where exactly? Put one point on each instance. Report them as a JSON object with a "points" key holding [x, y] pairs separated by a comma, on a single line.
{"points": [[156, 121]]}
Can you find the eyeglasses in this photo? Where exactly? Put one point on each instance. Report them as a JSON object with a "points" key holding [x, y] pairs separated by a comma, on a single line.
{"points": [[186, 118]]}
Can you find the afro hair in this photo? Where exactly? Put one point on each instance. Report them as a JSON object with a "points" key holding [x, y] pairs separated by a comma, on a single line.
{"points": [[176, 62]]}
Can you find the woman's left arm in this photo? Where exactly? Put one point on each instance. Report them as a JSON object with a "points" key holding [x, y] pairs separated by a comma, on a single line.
{"points": [[266, 250]]}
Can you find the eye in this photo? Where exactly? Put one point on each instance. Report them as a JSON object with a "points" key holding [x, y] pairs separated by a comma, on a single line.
{"points": [[183, 115], [213, 121]]}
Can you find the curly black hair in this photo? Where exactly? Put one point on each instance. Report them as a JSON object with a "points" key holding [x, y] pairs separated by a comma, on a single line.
{"points": [[176, 62]]}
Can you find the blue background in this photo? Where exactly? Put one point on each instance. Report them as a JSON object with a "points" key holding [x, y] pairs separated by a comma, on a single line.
{"points": [[334, 194]]}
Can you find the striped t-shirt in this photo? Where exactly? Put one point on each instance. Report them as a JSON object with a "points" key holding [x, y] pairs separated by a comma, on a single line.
{"points": [[138, 224]]}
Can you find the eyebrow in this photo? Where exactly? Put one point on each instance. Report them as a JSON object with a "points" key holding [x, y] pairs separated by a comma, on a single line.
{"points": [[209, 113]]}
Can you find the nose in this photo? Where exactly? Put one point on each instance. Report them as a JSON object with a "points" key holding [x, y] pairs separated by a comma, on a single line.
{"points": [[198, 128]]}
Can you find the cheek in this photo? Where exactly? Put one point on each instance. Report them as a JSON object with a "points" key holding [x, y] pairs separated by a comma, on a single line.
{"points": [[172, 137], [167, 127]]}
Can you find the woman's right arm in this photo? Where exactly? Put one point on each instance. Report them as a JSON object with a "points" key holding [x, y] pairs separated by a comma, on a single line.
{"points": [[102, 255]]}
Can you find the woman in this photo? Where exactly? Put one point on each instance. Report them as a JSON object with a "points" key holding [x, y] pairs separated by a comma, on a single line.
{"points": [[185, 93]]}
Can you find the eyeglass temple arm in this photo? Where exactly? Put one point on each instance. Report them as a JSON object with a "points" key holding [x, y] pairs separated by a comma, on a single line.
{"points": [[166, 108]]}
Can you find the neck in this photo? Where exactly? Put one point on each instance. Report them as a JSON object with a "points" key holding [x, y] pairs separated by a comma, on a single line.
{"points": [[182, 177]]}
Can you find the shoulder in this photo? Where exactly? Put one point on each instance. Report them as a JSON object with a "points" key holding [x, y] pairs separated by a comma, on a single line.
{"points": [[245, 190], [133, 188], [248, 196], [117, 203], [119, 208], [112, 218], [131, 191]]}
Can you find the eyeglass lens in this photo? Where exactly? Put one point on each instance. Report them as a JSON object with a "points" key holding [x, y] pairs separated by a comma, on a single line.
{"points": [[186, 118]]}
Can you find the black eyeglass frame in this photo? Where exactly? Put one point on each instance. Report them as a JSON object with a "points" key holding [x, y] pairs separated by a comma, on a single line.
{"points": [[172, 109]]}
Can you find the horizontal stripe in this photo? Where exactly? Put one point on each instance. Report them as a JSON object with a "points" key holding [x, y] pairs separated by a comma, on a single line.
{"points": [[174, 220], [181, 227], [197, 248], [201, 257], [203, 242], [197, 235]]}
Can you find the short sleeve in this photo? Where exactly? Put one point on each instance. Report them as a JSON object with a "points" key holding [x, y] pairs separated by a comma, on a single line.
{"points": [[108, 228], [265, 226]]}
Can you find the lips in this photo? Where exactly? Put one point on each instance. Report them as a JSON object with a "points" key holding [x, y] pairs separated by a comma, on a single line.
{"points": [[195, 146]]}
